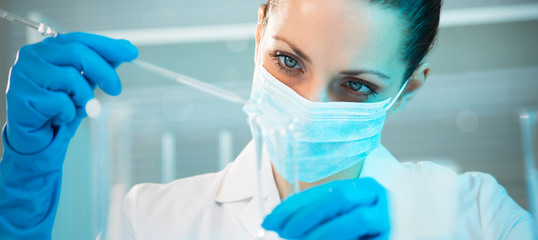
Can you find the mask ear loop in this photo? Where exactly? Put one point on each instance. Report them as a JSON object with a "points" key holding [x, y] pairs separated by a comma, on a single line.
{"points": [[397, 95]]}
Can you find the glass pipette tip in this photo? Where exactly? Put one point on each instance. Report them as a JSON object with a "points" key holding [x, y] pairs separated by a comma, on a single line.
{"points": [[43, 28]]}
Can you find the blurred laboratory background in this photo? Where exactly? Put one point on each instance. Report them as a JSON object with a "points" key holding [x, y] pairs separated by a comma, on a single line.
{"points": [[484, 68]]}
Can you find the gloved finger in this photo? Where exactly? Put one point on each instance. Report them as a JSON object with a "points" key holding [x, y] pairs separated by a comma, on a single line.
{"points": [[112, 50], [344, 197], [94, 67], [74, 84], [73, 125], [383, 236], [114, 64], [348, 189], [360, 223], [281, 213], [57, 106], [68, 80]]}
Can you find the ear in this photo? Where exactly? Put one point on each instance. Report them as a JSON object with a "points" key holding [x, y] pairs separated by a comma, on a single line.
{"points": [[259, 27], [416, 81]]}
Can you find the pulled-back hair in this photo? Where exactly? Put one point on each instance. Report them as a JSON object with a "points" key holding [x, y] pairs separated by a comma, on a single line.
{"points": [[422, 21]]}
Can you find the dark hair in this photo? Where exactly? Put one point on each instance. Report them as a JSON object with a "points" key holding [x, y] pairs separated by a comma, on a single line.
{"points": [[422, 18]]}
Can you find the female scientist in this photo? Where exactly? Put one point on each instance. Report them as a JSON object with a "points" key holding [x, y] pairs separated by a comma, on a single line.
{"points": [[340, 64]]}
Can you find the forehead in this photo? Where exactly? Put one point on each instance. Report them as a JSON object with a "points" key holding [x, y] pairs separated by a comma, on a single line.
{"points": [[340, 33]]}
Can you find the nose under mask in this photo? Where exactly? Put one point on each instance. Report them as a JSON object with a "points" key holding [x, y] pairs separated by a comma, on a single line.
{"points": [[327, 137]]}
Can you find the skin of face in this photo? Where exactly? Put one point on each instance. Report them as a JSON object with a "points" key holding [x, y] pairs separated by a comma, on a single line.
{"points": [[336, 50]]}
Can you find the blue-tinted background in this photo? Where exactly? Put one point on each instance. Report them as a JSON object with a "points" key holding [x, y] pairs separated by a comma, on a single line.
{"points": [[484, 67]]}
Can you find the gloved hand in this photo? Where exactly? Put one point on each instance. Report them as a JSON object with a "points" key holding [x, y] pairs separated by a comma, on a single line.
{"points": [[47, 90], [46, 97], [346, 209]]}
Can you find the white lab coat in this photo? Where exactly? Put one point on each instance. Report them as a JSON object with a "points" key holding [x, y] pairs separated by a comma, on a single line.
{"points": [[224, 205]]}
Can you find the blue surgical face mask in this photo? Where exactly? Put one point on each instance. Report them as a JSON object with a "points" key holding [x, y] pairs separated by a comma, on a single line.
{"points": [[328, 137]]}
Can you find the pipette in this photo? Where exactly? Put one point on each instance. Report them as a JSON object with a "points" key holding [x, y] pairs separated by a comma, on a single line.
{"points": [[180, 78], [46, 30], [42, 28]]}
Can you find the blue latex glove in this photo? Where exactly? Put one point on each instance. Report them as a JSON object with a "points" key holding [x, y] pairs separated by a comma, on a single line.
{"points": [[346, 209], [46, 100], [46, 90]]}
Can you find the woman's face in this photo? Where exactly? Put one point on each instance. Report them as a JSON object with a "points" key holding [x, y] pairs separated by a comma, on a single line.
{"points": [[334, 50]]}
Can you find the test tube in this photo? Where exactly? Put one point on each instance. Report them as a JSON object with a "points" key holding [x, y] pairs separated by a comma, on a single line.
{"points": [[258, 142], [278, 138], [272, 132], [527, 118]]}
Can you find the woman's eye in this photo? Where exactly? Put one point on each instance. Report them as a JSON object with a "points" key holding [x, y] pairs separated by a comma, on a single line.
{"points": [[359, 87], [289, 62]]}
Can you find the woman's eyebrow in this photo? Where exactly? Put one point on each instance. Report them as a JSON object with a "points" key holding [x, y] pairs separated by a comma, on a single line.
{"points": [[351, 72], [366, 71], [293, 47]]}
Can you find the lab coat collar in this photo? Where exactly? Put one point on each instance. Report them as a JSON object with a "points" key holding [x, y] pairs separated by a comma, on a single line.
{"points": [[382, 166], [239, 188], [240, 181]]}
